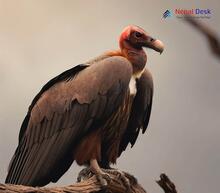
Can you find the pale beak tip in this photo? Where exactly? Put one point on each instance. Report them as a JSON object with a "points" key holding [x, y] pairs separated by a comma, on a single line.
{"points": [[159, 45]]}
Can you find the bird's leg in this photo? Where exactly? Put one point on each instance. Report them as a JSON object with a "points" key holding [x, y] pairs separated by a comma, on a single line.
{"points": [[102, 177], [94, 169]]}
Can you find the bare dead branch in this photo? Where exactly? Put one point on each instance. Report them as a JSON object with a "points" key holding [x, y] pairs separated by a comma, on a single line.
{"points": [[210, 35], [90, 185], [166, 184]]}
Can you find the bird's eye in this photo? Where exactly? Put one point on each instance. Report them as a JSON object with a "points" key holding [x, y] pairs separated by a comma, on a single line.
{"points": [[138, 34]]}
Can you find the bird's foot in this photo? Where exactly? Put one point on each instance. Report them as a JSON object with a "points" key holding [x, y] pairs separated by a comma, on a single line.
{"points": [[126, 178], [84, 174], [102, 177]]}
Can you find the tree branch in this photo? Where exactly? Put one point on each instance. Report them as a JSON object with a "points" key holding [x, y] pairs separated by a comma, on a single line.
{"points": [[166, 184], [90, 185], [211, 36]]}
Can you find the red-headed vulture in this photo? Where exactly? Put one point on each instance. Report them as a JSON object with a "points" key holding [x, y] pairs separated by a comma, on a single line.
{"points": [[88, 114]]}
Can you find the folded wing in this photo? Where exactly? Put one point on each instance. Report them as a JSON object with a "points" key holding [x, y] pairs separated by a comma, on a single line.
{"points": [[67, 108], [140, 112]]}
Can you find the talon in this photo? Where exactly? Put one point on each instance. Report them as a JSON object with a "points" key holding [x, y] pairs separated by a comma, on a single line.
{"points": [[103, 178], [122, 176], [84, 174], [107, 177]]}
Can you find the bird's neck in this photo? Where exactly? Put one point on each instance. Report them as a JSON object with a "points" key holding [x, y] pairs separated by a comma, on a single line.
{"points": [[138, 58]]}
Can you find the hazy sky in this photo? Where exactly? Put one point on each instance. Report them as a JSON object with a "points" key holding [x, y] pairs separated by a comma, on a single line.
{"points": [[41, 38]]}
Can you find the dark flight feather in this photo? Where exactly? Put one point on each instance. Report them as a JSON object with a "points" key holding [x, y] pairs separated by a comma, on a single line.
{"points": [[68, 108], [65, 76], [140, 112]]}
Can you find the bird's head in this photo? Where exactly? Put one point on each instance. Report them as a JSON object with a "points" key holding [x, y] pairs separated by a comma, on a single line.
{"points": [[131, 42], [137, 38]]}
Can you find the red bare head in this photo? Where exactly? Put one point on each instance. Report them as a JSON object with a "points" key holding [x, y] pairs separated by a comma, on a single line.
{"points": [[135, 37]]}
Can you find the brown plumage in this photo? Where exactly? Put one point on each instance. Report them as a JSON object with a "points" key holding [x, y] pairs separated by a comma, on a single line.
{"points": [[89, 113]]}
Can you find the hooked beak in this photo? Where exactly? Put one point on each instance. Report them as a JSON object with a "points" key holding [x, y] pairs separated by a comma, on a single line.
{"points": [[154, 44]]}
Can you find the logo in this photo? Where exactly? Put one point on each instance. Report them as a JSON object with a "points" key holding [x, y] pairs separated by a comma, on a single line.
{"points": [[167, 13], [193, 11], [181, 13]]}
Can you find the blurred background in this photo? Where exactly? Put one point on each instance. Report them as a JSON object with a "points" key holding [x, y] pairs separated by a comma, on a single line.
{"points": [[41, 38]]}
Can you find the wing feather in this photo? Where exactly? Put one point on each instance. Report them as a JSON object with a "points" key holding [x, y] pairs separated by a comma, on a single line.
{"points": [[67, 108], [140, 112]]}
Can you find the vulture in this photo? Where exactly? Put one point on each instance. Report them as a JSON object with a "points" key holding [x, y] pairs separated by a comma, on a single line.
{"points": [[88, 114]]}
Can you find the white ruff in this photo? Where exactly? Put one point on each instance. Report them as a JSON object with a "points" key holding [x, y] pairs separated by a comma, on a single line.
{"points": [[138, 74], [132, 86]]}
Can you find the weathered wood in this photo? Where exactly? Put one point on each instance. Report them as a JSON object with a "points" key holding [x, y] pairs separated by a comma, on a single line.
{"points": [[90, 185], [166, 184]]}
